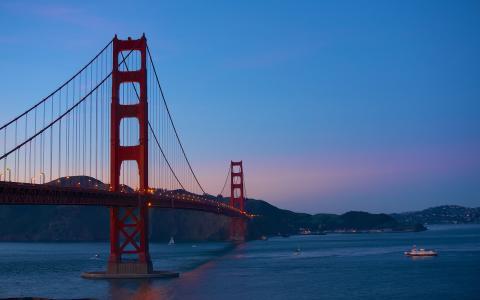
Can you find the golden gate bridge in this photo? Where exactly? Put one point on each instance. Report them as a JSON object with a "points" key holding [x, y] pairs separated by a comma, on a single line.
{"points": [[106, 137]]}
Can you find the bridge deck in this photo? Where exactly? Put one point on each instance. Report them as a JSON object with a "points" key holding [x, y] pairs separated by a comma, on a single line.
{"points": [[13, 193]]}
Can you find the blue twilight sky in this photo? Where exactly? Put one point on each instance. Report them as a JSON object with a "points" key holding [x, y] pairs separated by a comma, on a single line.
{"points": [[332, 105]]}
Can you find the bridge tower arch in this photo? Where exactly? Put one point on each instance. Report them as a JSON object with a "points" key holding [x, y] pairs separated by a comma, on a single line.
{"points": [[129, 226]]}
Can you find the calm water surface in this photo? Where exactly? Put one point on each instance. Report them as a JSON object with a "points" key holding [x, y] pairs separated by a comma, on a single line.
{"points": [[361, 266]]}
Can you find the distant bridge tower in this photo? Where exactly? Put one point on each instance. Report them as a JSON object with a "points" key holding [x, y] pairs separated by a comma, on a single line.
{"points": [[238, 226], [237, 197], [129, 226]]}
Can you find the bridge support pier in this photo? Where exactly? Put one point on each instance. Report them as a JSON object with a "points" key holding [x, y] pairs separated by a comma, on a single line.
{"points": [[129, 267], [129, 235], [238, 230]]}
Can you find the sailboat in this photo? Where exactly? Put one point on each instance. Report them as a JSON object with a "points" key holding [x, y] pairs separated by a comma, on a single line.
{"points": [[171, 242]]}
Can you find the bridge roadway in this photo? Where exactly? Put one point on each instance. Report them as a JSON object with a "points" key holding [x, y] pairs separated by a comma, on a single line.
{"points": [[13, 193]]}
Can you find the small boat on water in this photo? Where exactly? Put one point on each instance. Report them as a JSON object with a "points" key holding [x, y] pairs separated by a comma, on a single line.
{"points": [[171, 242], [96, 256], [420, 252]]}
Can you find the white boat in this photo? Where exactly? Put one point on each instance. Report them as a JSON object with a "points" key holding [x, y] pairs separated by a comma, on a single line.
{"points": [[96, 256], [171, 242], [420, 252]]}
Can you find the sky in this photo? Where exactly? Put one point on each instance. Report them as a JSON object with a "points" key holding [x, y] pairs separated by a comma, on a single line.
{"points": [[331, 105]]}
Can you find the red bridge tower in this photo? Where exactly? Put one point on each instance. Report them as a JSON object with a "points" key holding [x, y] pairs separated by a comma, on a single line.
{"points": [[237, 199], [129, 226]]}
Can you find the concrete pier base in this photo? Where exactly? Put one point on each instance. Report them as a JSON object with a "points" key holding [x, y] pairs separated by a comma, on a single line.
{"points": [[129, 267], [129, 270], [153, 274], [238, 230]]}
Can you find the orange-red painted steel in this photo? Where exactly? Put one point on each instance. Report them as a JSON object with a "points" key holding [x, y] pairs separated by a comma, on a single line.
{"points": [[237, 197], [129, 227], [238, 226]]}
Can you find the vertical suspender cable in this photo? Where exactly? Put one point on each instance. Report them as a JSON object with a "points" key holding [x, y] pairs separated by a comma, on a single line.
{"points": [[171, 120]]}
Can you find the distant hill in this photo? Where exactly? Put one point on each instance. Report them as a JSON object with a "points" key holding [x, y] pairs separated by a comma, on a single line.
{"points": [[79, 223], [445, 214], [272, 220]]}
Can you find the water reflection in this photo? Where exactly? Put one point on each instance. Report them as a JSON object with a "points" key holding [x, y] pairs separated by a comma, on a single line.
{"points": [[190, 278], [140, 289]]}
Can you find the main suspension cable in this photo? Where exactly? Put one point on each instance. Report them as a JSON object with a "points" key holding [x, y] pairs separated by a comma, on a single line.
{"points": [[226, 180], [58, 118], [151, 129], [55, 91], [171, 121]]}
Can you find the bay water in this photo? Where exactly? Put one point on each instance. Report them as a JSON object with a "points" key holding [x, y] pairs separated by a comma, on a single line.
{"points": [[334, 266]]}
